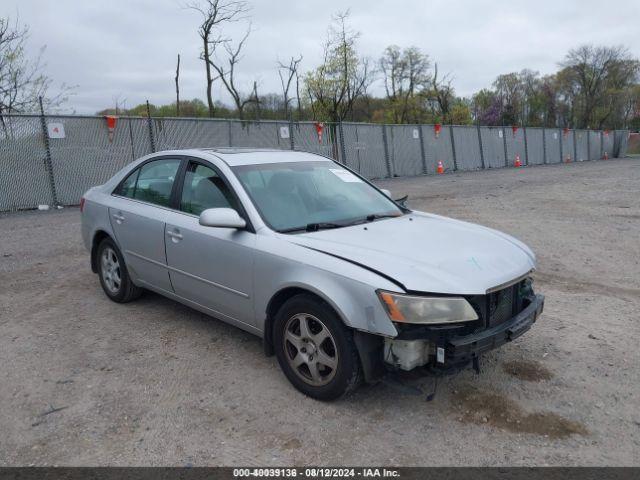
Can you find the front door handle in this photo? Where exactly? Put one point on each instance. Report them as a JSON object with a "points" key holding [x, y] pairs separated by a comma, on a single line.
{"points": [[175, 235], [118, 217]]}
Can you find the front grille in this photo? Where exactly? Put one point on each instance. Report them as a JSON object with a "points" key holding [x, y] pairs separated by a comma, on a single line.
{"points": [[501, 305], [498, 307]]}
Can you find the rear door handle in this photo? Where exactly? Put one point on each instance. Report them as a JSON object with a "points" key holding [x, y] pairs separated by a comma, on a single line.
{"points": [[118, 217]]}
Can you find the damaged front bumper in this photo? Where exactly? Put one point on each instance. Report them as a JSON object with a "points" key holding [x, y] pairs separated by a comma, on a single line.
{"points": [[464, 348], [447, 348]]}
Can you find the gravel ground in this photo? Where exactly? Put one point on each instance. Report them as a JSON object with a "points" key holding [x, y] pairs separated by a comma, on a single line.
{"points": [[84, 381]]}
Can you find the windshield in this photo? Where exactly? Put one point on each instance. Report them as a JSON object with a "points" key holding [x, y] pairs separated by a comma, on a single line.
{"points": [[312, 195]]}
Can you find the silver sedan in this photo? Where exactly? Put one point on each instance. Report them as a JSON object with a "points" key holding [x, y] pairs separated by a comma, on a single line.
{"points": [[342, 283]]}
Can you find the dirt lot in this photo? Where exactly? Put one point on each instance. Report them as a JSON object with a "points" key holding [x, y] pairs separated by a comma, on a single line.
{"points": [[84, 381]]}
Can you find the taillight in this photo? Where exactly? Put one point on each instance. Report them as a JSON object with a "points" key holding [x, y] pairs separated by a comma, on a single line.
{"points": [[81, 204]]}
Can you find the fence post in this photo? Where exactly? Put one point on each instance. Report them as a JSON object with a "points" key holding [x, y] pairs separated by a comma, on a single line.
{"points": [[453, 148], [504, 141], [560, 141], [526, 147], [422, 152], [133, 149], [588, 144], [575, 146], [47, 159], [291, 139], [230, 133], [150, 127], [385, 143], [616, 144], [601, 144], [544, 146], [343, 152], [480, 143]]}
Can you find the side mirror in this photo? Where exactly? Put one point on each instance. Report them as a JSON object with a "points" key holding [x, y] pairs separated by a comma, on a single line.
{"points": [[386, 192], [221, 218]]}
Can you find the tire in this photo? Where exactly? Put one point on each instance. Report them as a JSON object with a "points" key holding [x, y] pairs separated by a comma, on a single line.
{"points": [[113, 274], [320, 360]]}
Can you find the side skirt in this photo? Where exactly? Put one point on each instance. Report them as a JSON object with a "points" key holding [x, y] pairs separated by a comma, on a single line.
{"points": [[201, 308]]}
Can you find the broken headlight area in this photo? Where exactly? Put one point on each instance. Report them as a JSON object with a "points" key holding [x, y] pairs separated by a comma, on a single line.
{"points": [[500, 316]]}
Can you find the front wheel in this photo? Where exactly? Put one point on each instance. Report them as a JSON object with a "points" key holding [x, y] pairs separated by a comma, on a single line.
{"points": [[315, 349]]}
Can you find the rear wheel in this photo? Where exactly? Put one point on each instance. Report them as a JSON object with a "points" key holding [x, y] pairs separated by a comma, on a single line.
{"points": [[315, 349], [113, 274]]}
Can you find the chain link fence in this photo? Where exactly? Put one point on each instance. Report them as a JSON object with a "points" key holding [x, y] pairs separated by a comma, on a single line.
{"points": [[53, 160]]}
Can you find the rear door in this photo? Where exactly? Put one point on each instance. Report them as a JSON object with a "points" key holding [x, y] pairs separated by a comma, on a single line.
{"points": [[212, 267], [138, 213]]}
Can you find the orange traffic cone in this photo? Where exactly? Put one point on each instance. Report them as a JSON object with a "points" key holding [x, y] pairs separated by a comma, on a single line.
{"points": [[606, 156], [440, 169], [517, 163], [568, 159]]}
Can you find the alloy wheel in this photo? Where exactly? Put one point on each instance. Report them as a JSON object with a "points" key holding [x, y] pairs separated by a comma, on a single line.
{"points": [[310, 349], [111, 270]]}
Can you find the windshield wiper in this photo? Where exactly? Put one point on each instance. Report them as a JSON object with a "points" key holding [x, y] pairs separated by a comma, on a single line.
{"points": [[313, 227], [376, 216]]}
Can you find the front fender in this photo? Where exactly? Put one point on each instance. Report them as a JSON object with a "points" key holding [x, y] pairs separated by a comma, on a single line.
{"points": [[349, 289]]}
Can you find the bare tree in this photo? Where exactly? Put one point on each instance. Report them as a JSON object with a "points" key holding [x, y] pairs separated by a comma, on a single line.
{"points": [[256, 99], [178, 87], [443, 93], [288, 73], [215, 14], [299, 100], [22, 80], [119, 104], [226, 70]]}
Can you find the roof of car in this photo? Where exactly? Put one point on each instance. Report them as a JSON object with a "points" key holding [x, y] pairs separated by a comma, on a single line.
{"points": [[252, 156]]}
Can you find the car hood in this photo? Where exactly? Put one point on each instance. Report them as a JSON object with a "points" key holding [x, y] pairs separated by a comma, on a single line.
{"points": [[428, 253]]}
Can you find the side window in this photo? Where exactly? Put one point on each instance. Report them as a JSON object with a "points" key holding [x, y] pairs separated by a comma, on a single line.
{"points": [[203, 188], [155, 181]]}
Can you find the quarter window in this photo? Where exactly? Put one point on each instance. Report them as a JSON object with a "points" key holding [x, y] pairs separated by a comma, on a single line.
{"points": [[128, 187], [203, 189]]}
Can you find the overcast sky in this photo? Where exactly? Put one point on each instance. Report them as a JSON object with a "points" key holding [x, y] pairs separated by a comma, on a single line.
{"points": [[128, 48]]}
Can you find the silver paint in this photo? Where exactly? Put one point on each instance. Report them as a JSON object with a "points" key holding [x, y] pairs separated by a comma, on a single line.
{"points": [[233, 274]]}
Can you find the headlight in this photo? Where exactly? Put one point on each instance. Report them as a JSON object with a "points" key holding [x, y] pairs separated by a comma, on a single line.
{"points": [[426, 310]]}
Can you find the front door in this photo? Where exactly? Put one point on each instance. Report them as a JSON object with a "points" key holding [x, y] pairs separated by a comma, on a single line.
{"points": [[212, 267]]}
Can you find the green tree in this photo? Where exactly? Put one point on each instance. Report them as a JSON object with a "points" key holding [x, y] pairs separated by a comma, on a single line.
{"points": [[406, 75], [343, 77], [598, 76], [460, 113]]}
